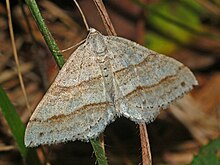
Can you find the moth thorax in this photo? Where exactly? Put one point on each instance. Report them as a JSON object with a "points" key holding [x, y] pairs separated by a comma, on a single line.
{"points": [[97, 44]]}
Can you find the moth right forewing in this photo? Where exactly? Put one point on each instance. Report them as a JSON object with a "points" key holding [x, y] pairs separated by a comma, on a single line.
{"points": [[147, 80]]}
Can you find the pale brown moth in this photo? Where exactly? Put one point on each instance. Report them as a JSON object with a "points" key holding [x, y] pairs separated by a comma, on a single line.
{"points": [[104, 78]]}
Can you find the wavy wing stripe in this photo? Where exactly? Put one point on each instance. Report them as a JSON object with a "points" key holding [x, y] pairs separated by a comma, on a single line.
{"points": [[63, 117], [144, 103], [70, 127]]}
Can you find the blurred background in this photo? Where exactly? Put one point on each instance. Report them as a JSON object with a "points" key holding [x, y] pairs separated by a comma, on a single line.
{"points": [[186, 30]]}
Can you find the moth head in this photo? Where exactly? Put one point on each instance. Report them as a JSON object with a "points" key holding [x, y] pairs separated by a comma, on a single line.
{"points": [[93, 31]]}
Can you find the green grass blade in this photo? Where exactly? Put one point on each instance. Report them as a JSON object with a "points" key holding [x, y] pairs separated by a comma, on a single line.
{"points": [[99, 152], [17, 128], [13, 120]]}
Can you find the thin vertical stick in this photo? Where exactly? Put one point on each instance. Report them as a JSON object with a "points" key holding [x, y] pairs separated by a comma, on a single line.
{"points": [[102, 141], [16, 55], [105, 17], [83, 16], [145, 146], [146, 153]]}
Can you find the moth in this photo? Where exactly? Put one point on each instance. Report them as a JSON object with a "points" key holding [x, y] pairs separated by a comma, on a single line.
{"points": [[104, 78]]}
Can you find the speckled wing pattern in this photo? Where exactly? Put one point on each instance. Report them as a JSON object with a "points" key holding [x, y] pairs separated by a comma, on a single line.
{"points": [[106, 77]]}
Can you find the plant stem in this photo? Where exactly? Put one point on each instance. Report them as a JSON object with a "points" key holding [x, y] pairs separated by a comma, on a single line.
{"points": [[45, 32], [16, 55], [99, 152], [105, 18], [145, 145]]}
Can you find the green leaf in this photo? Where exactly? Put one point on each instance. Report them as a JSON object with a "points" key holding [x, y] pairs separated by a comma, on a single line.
{"points": [[17, 128], [173, 19], [158, 43], [209, 154], [173, 24]]}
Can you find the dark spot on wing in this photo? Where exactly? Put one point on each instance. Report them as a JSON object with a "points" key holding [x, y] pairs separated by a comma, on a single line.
{"points": [[183, 84]]}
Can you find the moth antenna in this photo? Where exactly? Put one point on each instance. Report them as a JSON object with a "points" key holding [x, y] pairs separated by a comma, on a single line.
{"points": [[64, 50], [83, 16]]}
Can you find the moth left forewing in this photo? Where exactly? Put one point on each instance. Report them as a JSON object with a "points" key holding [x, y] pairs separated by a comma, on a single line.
{"points": [[147, 80], [75, 106]]}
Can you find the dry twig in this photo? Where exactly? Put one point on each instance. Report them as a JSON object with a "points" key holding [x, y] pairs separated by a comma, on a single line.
{"points": [[16, 55]]}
